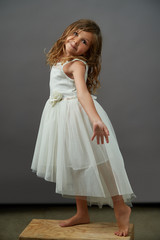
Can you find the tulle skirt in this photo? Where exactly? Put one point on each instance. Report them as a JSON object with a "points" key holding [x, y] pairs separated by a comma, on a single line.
{"points": [[65, 154]]}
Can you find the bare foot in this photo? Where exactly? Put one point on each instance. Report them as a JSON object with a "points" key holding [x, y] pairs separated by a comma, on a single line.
{"points": [[75, 220], [122, 215]]}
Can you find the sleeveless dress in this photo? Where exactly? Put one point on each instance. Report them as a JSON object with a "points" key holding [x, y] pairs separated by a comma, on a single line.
{"points": [[65, 154]]}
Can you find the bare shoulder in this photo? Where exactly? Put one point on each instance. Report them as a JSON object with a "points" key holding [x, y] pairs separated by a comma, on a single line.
{"points": [[74, 67], [77, 66], [78, 71]]}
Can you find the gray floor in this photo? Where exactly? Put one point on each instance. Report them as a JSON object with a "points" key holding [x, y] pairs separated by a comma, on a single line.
{"points": [[14, 218]]}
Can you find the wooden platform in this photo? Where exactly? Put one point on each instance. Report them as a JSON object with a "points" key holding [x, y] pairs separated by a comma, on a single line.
{"points": [[44, 229]]}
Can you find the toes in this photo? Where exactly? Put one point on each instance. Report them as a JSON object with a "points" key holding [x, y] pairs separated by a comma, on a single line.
{"points": [[118, 233], [124, 233], [62, 224], [121, 233]]}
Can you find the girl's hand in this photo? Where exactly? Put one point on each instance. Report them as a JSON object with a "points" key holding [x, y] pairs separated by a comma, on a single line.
{"points": [[100, 130]]}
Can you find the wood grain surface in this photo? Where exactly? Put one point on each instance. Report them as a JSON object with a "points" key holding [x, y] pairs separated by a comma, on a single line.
{"points": [[44, 229]]}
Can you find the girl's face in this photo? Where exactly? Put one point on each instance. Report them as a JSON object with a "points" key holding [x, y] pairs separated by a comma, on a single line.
{"points": [[78, 43]]}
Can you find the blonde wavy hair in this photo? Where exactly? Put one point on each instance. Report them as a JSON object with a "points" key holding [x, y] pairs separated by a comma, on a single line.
{"points": [[92, 56]]}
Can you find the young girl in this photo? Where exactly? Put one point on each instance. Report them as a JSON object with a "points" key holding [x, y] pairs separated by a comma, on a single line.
{"points": [[76, 145]]}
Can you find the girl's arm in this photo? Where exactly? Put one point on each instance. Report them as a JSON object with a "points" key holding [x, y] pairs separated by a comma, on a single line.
{"points": [[84, 97], [99, 128]]}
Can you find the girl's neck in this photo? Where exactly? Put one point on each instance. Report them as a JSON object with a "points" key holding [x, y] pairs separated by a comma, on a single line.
{"points": [[61, 58]]}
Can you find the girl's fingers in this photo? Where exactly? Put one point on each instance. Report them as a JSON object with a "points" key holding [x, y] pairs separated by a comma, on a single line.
{"points": [[102, 139], [107, 140], [106, 134], [106, 131], [93, 136], [101, 134]]}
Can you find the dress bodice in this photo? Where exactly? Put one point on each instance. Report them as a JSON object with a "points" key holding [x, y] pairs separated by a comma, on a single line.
{"points": [[60, 82]]}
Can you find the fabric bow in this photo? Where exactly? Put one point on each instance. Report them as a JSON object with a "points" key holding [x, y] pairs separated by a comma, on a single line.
{"points": [[55, 97]]}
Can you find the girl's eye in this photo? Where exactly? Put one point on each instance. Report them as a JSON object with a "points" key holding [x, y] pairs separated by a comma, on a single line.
{"points": [[84, 41]]}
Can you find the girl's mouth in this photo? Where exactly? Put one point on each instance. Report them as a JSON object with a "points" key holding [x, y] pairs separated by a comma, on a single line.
{"points": [[73, 46]]}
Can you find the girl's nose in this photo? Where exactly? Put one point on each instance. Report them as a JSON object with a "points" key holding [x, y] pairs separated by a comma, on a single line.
{"points": [[76, 40]]}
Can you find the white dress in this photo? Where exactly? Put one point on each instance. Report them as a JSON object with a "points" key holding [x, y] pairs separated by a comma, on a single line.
{"points": [[65, 154]]}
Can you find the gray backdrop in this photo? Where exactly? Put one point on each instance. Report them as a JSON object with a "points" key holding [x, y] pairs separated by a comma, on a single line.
{"points": [[129, 93]]}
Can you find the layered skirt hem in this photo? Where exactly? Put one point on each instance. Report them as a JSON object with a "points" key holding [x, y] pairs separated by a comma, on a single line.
{"points": [[65, 154]]}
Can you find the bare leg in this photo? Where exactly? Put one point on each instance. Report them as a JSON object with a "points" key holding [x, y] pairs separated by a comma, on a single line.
{"points": [[122, 214], [80, 217]]}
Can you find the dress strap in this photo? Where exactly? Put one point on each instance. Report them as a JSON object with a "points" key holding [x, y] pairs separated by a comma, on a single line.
{"points": [[75, 59]]}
